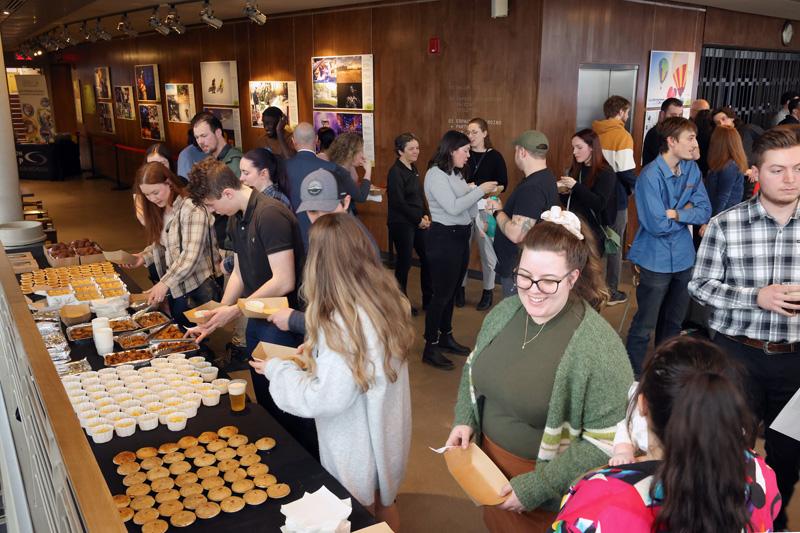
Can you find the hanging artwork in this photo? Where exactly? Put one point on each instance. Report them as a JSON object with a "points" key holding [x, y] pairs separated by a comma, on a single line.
{"points": [[37, 112], [343, 82], [219, 83], [280, 94], [105, 115], [180, 102], [231, 123], [123, 102], [152, 122], [361, 123], [671, 76], [102, 83], [146, 79]]}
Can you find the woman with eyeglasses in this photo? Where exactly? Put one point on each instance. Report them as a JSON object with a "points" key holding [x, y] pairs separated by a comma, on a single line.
{"points": [[548, 380]]}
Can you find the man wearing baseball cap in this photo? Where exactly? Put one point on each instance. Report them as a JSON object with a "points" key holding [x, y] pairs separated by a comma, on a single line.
{"points": [[535, 194]]}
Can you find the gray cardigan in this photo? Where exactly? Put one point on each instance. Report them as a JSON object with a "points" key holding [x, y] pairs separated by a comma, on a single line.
{"points": [[451, 200]]}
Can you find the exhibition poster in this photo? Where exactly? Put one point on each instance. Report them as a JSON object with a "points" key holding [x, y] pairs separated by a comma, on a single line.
{"points": [[231, 123], [180, 102], [280, 94], [37, 112], [343, 82], [671, 75], [219, 83], [146, 79], [123, 102], [88, 99], [360, 123], [151, 121], [102, 83], [105, 116]]}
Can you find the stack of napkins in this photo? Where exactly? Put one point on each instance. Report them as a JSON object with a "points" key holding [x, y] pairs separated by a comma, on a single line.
{"points": [[319, 512]]}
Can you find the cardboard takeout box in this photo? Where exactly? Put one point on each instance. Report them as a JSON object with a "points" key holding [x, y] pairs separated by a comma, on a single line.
{"points": [[75, 314], [120, 257], [477, 475], [270, 306], [191, 314], [266, 350]]}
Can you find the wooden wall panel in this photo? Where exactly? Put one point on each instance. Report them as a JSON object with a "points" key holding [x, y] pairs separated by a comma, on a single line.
{"points": [[743, 30]]}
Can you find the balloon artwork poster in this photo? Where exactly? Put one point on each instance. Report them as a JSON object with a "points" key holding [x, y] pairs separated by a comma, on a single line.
{"points": [[671, 75]]}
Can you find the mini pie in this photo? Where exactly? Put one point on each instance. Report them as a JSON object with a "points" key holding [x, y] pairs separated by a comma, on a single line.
{"points": [[170, 508], [219, 494], [135, 491], [207, 510], [128, 468], [280, 490], [232, 504], [187, 442], [181, 467], [228, 464], [235, 475], [167, 495], [168, 447], [156, 526], [187, 478], [144, 453], [151, 462], [142, 502], [162, 484], [256, 470], [250, 460], [125, 513], [173, 457], [194, 451], [134, 479], [246, 449], [157, 473], [207, 471], [216, 445], [122, 500], [225, 453], [237, 440], [242, 486], [267, 480], [145, 515], [227, 432], [204, 460], [210, 483], [265, 443], [255, 497], [182, 519], [191, 489], [124, 457], [193, 502], [207, 436]]}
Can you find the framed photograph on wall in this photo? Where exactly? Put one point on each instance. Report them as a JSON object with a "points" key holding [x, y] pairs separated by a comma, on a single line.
{"points": [[151, 121], [231, 123], [219, 83], [280, 94], [102, 83], [123, 102], [343, 82], [105, 116], [180, 102], [361, 123], [146, 80]]}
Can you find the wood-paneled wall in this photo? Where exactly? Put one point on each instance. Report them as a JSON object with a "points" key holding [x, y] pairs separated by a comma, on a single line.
{"points": [[743, 30]]}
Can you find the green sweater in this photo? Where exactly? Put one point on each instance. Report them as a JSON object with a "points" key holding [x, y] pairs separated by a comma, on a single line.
{"points": [[589, 398]]}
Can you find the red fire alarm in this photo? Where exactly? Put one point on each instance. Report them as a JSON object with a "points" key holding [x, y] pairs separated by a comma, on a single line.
{"points": [[434, 45]]}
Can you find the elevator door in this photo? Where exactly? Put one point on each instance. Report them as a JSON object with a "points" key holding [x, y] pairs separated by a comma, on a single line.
{"points": [[596, 83]]}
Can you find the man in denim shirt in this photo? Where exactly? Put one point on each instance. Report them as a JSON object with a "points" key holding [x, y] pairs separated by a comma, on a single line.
{"points": [[670, 197]]}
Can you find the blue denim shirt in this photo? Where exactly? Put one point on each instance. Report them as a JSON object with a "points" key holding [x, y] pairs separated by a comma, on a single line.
{"points": [[662, 244]]}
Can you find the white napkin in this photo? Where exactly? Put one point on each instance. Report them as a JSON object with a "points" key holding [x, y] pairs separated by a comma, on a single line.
{"points": [[318, 512]]}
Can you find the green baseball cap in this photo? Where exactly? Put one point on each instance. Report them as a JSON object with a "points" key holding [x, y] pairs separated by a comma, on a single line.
{"points": [[533, 141]]}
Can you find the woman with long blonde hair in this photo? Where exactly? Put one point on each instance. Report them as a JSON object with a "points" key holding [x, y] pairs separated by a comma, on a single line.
{"points": [[355, 385]]}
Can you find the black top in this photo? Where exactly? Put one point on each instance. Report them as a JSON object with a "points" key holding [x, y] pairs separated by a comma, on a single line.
{"points": [[487, 166], [597, 206], [405, 196], [652, 145], [790, 119], [267, 227], [534, 195]]}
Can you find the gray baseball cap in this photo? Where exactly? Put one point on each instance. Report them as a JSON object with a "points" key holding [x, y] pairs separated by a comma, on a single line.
{"points": [[319, 192]]}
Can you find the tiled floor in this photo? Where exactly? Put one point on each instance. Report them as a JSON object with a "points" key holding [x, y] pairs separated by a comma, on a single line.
{"points": [[430, 501]]}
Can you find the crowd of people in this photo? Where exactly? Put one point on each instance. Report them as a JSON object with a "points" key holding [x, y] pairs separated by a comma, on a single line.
{"points": [[550, 391]]}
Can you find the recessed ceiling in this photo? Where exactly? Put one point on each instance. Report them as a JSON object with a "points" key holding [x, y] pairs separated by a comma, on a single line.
{"points": [[35, 17]]}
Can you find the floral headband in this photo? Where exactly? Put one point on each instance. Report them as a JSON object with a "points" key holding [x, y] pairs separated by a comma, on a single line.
{"points": [[568, 219]]}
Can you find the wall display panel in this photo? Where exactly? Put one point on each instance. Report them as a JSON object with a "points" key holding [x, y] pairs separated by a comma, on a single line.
{"points": [[105, 117], [671, 75], [102, 83], [231, 123], [123, 102], [180, 102], [343, 82], [88, 99], [37, 112], [280, 94], [219, 83], [152, 122], [147, 86]]}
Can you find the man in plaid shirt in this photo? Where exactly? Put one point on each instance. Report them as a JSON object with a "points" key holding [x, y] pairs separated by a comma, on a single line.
{"points": [[748, 273]]}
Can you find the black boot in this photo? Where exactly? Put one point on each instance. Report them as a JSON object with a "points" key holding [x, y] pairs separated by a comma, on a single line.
{"points": [[460, 297], [486, 301], [432, 356], [449, 344]]}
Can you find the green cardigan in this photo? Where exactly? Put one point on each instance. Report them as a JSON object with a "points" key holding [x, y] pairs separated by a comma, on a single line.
{"points": [[590, 396]]}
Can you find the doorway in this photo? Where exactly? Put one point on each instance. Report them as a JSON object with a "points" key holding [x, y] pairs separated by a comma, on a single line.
{"points": [[596, 83]]}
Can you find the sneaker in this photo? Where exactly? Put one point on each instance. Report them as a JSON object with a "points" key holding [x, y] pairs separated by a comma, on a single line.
{"points": [[617, 297]]}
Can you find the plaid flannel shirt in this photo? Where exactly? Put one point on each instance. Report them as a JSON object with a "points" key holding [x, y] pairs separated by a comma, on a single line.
{"points": [[188, 259], [743, 250]]}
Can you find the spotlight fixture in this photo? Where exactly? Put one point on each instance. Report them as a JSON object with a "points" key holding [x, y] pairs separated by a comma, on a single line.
{"points": [[63, 38], [252, 12], [87, 35], [100, 32], [173, 21], [124, 26], [207, 16], [48, 43], [156, 24]]}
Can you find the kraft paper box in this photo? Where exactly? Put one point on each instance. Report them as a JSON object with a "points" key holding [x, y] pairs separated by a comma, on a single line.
{"points": [[191, 314], [270, 306], [138, 298], [266, 350], [478, 476], [94, 258], [120, 257], [75, 314], [57, 262]]}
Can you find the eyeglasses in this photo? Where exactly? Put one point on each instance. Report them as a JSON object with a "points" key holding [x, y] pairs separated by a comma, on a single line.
{"points": [[545, 286]]}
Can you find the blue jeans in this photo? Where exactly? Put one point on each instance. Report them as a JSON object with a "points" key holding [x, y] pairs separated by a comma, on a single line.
{"points": [[204, 293], [302, 429], [662, 300]]}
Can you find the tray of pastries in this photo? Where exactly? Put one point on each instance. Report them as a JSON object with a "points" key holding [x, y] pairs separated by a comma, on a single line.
{"points": [[170, 333], [79, 333], [150, 319], [175, 346], [132, 340], [124, 323], [137, 355]]}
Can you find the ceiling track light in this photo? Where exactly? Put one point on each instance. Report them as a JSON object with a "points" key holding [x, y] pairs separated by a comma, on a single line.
{"points": [[207, 16], [252, 12], [173, 21], [125, 27], [100, 32], [63, 38], [156, 24]]}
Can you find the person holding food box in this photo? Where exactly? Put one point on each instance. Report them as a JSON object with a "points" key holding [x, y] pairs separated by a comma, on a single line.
{"points": [[547, 382], [182, 246], [356, 388], [268, 262]]}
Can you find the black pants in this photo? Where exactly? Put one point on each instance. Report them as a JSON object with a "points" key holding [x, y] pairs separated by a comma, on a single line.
{"points": [[406, 238], [771, 381], [447, 248]]}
